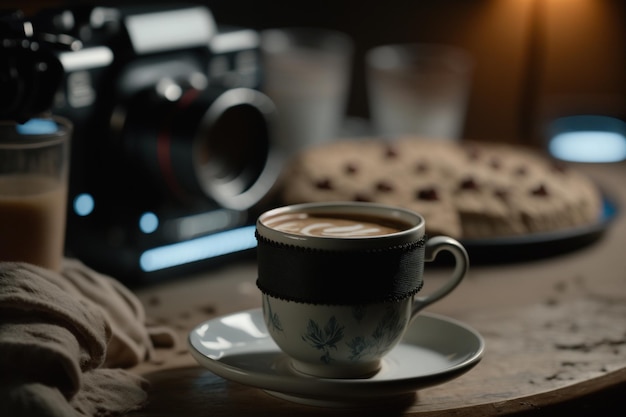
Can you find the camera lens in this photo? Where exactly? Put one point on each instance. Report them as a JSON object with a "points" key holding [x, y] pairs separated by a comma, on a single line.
{"points": [[209, 143]]}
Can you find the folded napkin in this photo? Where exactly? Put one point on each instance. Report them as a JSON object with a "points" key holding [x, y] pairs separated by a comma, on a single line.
{"points": [[64, 339]]}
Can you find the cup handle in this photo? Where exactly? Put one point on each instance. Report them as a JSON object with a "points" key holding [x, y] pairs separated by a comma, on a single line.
{"points": [[433, 247]]}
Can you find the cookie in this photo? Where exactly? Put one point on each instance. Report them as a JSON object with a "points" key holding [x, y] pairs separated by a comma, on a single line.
{"points": [[469, 190]]}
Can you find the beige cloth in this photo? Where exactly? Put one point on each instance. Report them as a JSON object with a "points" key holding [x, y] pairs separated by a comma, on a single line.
{"points": [[63, 339]]}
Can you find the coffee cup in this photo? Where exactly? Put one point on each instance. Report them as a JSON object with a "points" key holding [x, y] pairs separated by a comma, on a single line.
{"points": [[340, 282]]}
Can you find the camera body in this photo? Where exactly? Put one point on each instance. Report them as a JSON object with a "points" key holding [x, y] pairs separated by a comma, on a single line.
{"points": [[172, 142]]}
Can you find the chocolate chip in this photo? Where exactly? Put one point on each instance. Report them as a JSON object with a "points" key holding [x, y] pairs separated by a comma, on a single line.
{"points": [[468, 184], [427, 194], [472, 153], [502, 194], [351, 168], [390, 151], [495, 163], [421, 167], [540, 191], [521, 171], [324, 184], [384, 186], [362, 198]]}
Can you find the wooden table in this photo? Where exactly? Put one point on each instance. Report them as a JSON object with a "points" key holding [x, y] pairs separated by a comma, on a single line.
{"points": [[555, 332]]}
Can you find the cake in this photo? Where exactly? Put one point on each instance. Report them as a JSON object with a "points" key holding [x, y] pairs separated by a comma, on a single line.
{"points": [[468, 190]]}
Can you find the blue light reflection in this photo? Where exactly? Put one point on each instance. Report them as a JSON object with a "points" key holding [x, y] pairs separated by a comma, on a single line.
{"points": [[84, 204], [588, 138], [37, 127], [202, 248], [148, 222], [589, 146]]}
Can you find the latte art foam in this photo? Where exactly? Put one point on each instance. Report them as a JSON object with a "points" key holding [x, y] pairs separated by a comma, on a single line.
{"points": [[330, 225]]}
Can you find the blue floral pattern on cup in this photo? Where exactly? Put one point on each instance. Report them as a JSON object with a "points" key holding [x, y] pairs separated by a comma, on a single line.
{"points": [[388, 329], [325, 337], [272, 319]]}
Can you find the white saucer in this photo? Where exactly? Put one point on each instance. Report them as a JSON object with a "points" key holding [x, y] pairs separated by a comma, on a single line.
{"points": [[237, 347]]}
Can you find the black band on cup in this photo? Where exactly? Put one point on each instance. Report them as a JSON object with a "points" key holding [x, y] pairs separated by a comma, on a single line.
{"points": [[334, 277]]}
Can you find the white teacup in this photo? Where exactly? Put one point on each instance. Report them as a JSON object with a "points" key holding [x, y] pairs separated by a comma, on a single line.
{"points": [[339, 282]]}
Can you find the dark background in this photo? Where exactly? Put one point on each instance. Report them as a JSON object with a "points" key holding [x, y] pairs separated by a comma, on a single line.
{"points": [[535, 59]]}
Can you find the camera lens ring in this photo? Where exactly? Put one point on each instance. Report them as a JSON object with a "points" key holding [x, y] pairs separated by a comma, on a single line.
{"points": [[165, 144], [237, 191]]}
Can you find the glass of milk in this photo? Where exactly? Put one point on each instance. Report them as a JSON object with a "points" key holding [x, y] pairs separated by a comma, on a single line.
{"points": [[34, 165], [307, 75], [418, 89]]}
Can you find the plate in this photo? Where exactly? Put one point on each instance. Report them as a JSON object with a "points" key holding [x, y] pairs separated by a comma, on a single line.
{"points": [[540, 245], [237, 347]]}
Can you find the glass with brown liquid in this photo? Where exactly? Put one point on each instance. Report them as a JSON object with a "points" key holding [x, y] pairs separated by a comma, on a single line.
{"points": [[34, 160]]}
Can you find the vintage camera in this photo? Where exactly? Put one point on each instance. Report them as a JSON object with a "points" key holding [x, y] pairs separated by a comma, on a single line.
{"points": [[172, 148]]}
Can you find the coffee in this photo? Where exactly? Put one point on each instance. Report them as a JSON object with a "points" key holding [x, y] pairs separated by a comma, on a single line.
{"points": [[334, 225], [32, 219]]}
